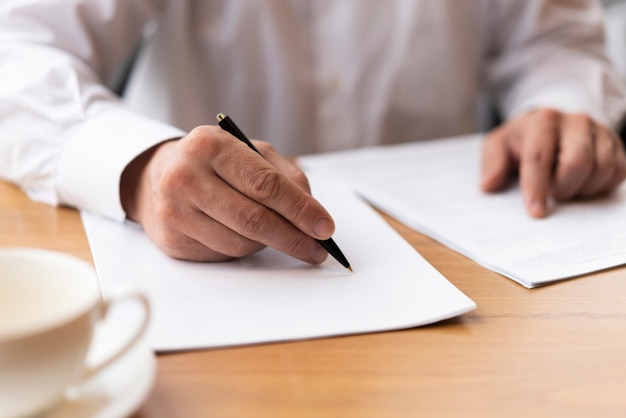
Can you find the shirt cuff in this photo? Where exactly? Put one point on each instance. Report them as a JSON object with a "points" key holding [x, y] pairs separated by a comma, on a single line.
{"points": [[97, 152], [601, 99]]}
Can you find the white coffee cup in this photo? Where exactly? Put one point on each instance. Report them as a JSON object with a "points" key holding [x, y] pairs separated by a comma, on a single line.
{"points": [[50, 303]]}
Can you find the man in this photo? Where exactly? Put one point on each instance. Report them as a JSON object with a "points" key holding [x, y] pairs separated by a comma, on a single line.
{"points": [[306, 76]]}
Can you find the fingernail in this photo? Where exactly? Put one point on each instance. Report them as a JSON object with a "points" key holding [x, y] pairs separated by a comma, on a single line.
{"points": [[323, 228], [319, 254]]}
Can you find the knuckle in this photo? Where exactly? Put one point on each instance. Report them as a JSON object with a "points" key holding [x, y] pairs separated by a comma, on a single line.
{"points": [[166, 213], [195, 137], [298, 208], [539, 158], [172, 179], [621, 171], [298, 244], [264, 147], [196, 132], [264, 184], [606, 161], [252, 221], [201, 132], [169, 242], [181, 252], [548, 116], [583, 120], [577, 162], [298, 177], [242, 247], [202, 140], [170, 215]]}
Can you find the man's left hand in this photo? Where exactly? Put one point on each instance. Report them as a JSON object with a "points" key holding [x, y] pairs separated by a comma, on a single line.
{"points": [[559, 155]]}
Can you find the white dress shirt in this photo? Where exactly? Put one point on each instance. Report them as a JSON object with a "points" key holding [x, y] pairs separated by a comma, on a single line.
{"points": [[307, 76]]}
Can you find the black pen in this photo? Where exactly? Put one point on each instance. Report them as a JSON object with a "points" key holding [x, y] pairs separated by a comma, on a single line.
{"points": [[227, 124]]}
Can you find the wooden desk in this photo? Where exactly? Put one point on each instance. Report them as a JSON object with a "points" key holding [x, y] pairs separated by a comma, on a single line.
{"points": [[556, 351]]}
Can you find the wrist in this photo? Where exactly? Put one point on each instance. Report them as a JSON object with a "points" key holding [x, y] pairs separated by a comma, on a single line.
{"points": [[134, 187]]}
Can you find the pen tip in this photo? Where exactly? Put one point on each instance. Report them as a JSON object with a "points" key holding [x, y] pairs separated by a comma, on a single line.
{"points": [[220, 117], [350, 269]]}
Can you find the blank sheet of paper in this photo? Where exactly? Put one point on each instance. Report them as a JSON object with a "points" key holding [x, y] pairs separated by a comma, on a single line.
{"points": [[433, 187], [272, 297]]}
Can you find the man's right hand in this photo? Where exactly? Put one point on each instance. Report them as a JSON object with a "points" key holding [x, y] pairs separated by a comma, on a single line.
{"points": [[209, 197]]}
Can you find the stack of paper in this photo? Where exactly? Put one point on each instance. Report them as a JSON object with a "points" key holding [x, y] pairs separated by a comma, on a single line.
{"points": [[434, 187], [272, 297]]}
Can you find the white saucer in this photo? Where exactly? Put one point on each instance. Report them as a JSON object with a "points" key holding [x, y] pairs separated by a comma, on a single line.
{"points": [[117, 391]]}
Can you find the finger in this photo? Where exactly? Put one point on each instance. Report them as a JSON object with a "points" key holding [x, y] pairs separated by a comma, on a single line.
{"points": [[261, 182], [285, 166], [604, 165], [177, 244], [497, 162], [539, 145], [185, 231], [620, 166], [218, 239], [190, 249], [248, 222], [576, 156]]}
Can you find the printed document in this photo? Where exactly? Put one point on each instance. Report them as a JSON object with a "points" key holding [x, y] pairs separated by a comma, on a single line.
{"points": [[434, 187], [270, 296]]}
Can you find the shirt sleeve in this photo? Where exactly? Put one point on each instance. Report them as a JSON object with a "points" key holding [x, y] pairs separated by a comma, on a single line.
{"points": [[64, 137], [551, 54]]}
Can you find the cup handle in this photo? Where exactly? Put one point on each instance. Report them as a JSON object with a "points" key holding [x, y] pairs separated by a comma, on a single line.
{"points": [[116, 296]]}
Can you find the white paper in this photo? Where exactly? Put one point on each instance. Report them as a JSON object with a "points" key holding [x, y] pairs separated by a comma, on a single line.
{"points": [[434, 187], [272, 297]]}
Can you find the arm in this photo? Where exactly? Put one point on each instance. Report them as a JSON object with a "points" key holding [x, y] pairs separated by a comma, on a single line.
{"points": [[64, 137], [562, 99]]}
